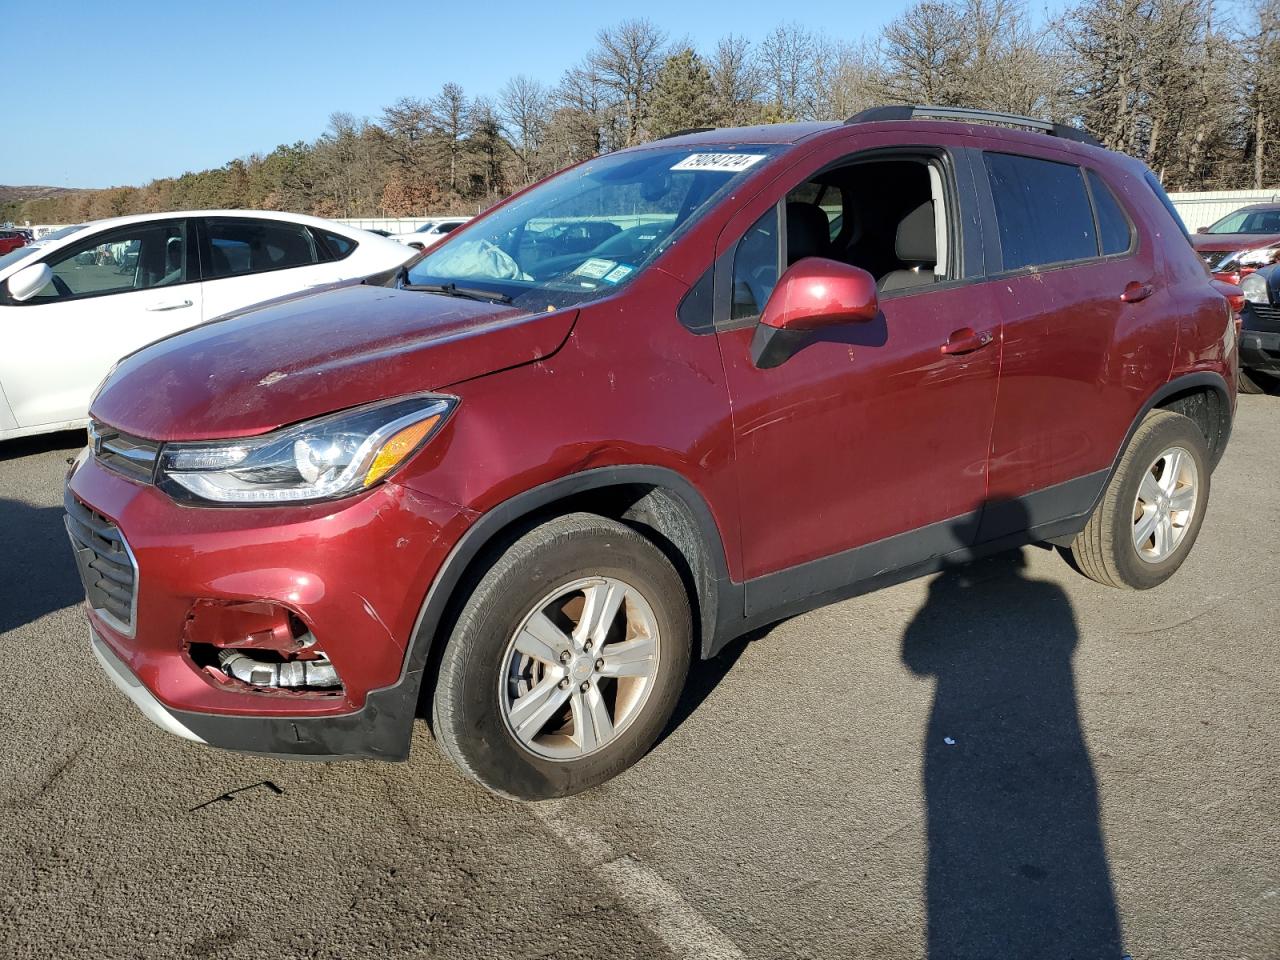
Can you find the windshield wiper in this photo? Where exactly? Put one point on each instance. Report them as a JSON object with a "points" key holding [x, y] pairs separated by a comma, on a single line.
{"points": [[453, 290]]}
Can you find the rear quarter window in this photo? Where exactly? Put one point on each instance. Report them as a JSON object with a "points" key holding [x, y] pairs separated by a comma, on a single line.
{"points": [[1115, 234], [1042, 211], [333, 246]]}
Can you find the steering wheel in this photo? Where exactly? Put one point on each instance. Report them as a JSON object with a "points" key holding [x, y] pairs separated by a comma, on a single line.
{"points": [[61, 286]]}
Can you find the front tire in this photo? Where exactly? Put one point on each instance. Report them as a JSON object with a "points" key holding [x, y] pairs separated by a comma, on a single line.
{"points": [[1248, 382], [1151, 512], [566, 661]]}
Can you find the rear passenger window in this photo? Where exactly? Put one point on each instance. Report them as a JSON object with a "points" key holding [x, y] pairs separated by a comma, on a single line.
{"points": [[1042, 211], [1113, 225], [755, 267], [238, 247]]}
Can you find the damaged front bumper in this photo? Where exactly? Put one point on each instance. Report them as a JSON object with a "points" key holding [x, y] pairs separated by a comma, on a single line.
{"points": [[379, 730]]}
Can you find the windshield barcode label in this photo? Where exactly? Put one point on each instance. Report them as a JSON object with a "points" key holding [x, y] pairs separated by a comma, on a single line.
{"points": [[720, 162]]}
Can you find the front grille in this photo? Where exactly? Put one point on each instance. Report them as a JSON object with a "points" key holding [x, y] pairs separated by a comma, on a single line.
{"points": [[1262, 316], [1211, 258], [132, 456], [106, 565]]}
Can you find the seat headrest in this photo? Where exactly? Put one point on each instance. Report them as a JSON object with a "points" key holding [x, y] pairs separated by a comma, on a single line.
{"points": [[916, 241], [808, 231]]}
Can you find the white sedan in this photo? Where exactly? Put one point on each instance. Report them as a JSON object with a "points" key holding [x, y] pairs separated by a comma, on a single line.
{"points": [[71, 305], [431, 232]]}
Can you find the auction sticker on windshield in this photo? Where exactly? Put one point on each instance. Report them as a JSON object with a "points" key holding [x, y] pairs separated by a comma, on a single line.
{"points": [[720, 162], [595, 268]]}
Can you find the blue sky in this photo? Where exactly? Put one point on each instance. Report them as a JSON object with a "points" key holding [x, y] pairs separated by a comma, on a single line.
{"points": [[121, 93]]}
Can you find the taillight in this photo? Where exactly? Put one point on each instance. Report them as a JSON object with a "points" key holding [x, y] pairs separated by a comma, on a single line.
{"points": [[1234, 295]]}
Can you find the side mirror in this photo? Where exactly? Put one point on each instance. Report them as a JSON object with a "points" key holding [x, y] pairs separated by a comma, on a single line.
{"points": [[812, 294], [29, 281], [1202, 229]]}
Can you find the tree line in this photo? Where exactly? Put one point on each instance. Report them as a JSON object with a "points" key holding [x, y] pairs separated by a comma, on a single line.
{"points": [[1166, 81]]}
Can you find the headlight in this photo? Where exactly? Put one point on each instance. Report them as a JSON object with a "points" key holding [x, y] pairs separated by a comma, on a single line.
{"points": [[322, 459], [1258, 258], [1255, 289]]}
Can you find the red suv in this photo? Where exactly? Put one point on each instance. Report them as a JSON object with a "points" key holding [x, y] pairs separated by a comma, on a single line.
{"points": [[1241, 242], [518, 484], [11, 240]]}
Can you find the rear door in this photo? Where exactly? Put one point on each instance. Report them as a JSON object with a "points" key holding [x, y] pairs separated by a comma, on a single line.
{"points": [[112, 293], [1080, 296], [246, 260]]}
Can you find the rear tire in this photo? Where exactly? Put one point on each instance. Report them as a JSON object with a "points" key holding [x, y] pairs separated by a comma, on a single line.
{"points": [[1152, 509], [538, 696]]}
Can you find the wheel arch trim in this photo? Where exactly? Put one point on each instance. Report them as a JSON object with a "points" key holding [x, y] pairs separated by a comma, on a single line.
{"points": [[1177, 384], [490, 525]]}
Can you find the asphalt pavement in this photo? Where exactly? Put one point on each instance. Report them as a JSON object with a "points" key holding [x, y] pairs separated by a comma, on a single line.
{"points": [[1002, 761]]}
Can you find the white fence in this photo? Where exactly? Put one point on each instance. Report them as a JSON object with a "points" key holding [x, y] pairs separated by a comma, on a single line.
{"points": [[1201, 209], [389, 224]]}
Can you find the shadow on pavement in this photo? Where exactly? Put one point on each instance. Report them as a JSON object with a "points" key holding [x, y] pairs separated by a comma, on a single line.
{"points": [[1017, 865], [68, 440], [37, 571]]}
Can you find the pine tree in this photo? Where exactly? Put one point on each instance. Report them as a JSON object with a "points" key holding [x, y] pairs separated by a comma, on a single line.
{"points": [[682, 94]]}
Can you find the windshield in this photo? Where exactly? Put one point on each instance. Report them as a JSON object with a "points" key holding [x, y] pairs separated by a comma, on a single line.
{"points": [[581, 234], [1248, 221]]}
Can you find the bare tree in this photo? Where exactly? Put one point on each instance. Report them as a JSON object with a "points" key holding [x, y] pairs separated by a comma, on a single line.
{"points": [[844, 80], [923, 56], [786, 60], [736, 84], [1259, 42], [626, 62], [524, 108], [449, 119]]}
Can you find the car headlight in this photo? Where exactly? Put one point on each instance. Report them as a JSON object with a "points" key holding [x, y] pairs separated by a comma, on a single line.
{"points": [[1255, 288], [1259, 257], [322, 459]]}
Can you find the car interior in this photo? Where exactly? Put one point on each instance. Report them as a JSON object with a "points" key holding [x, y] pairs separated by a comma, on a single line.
{"points": [[253, 246], [885, 216], [150, 256]]}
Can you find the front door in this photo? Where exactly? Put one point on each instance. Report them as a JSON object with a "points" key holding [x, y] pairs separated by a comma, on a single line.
{"points": [[871, 430]]}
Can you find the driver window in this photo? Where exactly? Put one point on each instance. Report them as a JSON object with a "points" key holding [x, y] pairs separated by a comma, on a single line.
{"points": [[135, 258], [887, 216]]}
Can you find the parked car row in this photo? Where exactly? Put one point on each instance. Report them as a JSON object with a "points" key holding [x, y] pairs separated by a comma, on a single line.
{"points": [[76, 301], [662, 398], [11, 239], [430, 233]]}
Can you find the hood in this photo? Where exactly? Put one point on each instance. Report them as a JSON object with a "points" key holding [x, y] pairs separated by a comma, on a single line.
{"points": [[1233, 241], [286, 362]]}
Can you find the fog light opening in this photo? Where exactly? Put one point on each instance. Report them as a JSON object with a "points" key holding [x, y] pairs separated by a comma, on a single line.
{"points": [[257, 645], [292, 674]]}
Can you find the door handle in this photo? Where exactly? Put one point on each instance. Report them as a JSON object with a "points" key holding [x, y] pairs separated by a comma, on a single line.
{"points": [[1135, 291], [965, 340], [169, 305]]}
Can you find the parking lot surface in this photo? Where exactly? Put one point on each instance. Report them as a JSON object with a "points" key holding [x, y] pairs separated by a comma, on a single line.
{"points": [[1004, 760]]}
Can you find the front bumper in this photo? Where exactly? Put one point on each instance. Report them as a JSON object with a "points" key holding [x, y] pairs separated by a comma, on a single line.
{"points": [[380, 730], [1260, 350], [355, 572]]}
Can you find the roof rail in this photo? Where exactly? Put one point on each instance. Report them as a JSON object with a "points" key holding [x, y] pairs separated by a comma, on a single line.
{"points": [[875, 114], [684, 132]]}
